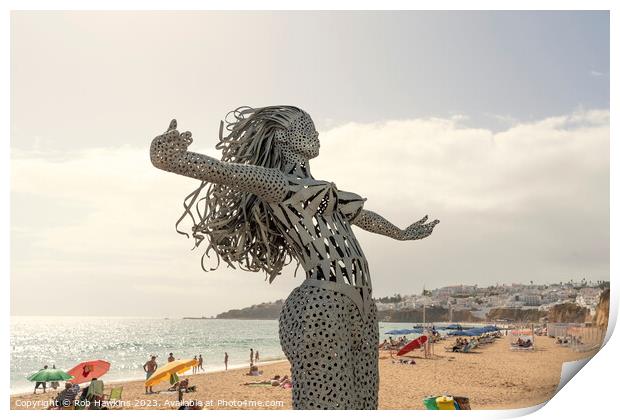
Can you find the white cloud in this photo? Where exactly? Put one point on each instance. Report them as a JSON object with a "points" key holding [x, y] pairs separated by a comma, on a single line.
{"points": [[527, 203]]}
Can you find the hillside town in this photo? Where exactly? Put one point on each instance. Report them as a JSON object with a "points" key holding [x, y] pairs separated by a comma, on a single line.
{"points": [[479, 301]]}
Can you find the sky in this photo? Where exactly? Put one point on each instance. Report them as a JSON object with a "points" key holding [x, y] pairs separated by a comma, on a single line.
{"points": [[496, 123]]}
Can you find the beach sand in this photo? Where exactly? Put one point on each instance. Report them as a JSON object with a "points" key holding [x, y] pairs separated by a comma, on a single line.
{"points": [[493, 377]]}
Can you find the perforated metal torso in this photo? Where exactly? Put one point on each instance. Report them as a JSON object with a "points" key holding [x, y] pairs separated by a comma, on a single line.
{"points": [[328, 325], [315, 218]]}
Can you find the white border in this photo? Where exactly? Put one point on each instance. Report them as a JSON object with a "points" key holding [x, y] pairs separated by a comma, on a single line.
{"points": [[590, 394]]}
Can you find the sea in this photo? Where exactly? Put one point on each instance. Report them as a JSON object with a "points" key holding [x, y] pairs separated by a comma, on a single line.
{"points": [[127, 343]]}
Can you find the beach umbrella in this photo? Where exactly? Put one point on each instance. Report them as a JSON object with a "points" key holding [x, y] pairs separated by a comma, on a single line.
{"points": [[405, 331], [86, 371], [465, 333], [163, 373], [49, 375], [456, 327]]}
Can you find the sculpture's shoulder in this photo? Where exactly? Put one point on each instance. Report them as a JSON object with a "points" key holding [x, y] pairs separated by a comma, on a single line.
{"points": [[349, 197], [350, 204]]}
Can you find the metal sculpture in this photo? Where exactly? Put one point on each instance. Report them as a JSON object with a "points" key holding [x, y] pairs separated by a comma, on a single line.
{"points": [[261, 209]]}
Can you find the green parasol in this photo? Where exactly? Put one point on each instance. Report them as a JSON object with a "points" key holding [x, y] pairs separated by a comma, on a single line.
{"points": [[49, 375]]}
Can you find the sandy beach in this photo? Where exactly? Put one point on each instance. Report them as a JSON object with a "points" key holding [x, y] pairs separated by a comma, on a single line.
{"points": [[493, 377]]}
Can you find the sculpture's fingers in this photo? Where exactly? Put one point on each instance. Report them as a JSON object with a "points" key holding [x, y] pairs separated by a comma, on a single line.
{"points": [[421, 221], [431, 226], [187, 136]]}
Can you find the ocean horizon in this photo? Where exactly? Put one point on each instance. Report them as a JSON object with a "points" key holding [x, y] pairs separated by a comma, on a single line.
{"points": [[127, 343]]}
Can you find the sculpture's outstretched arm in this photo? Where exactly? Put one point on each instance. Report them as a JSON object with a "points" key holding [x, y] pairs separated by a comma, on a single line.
{"points": [[169, 153], [375, 223]]}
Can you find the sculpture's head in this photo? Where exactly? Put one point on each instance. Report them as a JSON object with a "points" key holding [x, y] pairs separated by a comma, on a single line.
{"points": [[271, 136], [300, 138]]}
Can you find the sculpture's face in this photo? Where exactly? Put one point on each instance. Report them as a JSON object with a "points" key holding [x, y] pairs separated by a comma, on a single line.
{"points": [[301, 137]]}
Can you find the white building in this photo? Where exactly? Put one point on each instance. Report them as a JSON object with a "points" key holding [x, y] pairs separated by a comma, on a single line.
{"points": [[531, 299]]}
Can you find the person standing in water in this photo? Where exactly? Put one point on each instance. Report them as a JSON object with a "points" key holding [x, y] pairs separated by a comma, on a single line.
{"points": [[225, 361], [200, 361], [251, 356]]}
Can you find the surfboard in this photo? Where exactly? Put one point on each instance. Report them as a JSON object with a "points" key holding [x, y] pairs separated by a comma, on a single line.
{"points": [[414, 344]]}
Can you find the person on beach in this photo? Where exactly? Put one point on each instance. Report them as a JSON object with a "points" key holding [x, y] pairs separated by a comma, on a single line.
{"points": [[66, 397], [457, 345], [181, 384], [286, 382], [170, 358], [149, 367], [40, 384], [256, 357], [225, 361], [275, 381], [251, 356], [200, 361], [95, 393], [259, 207], [54, 384], [254, 370]]}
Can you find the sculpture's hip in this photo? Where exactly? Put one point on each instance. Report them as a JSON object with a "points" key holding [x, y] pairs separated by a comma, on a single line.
{"points": [[332, 348]]}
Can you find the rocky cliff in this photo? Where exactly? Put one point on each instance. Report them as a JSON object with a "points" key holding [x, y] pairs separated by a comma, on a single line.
{"points": [[432, 315], [268, 310], [567, 312], [601, 318], [516, 314]]}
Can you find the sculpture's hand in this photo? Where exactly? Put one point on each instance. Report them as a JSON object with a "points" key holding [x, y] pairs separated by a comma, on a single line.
{"points": [[169, 153], [169, 145], [419, 229]]}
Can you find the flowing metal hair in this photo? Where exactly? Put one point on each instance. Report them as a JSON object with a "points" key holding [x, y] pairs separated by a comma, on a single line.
{"points": [[238, 225]]}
